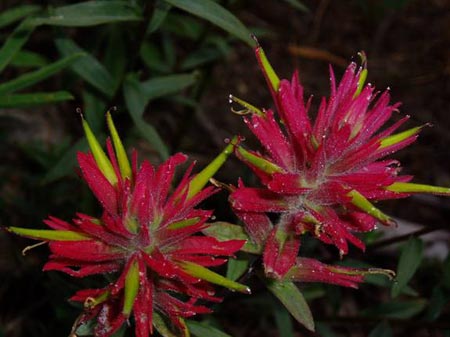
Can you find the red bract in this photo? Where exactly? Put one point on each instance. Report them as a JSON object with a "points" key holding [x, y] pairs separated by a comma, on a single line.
{"points": [[146, 237], [320, 175]]}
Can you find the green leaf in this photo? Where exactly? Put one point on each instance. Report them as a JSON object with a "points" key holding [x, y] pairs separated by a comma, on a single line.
{"points": [[324, 330], [115, 56], [38, 98], [283, 321], [94, 110], [151, 56], [16, 13], [29, 79], [438, 301], [409, 262], [15, 42], [66, 163], [136, 101], [167, 85], [131, 288], [298, 5], [383, 329], [396, 309], [87, 67], [48, 234], [204, 273], [161, 9], [90, 13], [237, 267], [217, 15], [202, 178], [224, 231], [28, 59], [291, 297], [200, 329]]}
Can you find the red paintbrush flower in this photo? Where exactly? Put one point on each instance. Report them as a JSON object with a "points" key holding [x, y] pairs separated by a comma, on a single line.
{"points": [[320, 175], [146, 237]]}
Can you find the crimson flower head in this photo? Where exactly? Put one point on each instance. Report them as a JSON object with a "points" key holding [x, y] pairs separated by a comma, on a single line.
{"points": [[146, 239], [321, 174]]}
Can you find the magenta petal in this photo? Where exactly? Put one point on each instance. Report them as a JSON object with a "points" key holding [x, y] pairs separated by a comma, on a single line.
{"points": [[100, 186], [207, 245], [287, 183], [257, 200], [87, 250], [280, 253], [267, 130], [257, 225], [81, 270], [310, 270]]}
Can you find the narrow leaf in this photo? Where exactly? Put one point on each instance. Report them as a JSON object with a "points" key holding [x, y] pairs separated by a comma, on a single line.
{"points": [[160, 12], [167, 85], [217, 15], [66, 164], [16, 13], [202, 178], [38, 98], [28, 59], [383, 329], [237, 267], [48, 234], [410, 259], [29, 79], [203, 273], [298, 5], [15, 42], [283, 321], [87, 67], [135, 101], [224, 231], [200, 329], [131, 288], [291, 297], [396, 309], [122, 158], [418, 188], [91, 13], [102, 160]]}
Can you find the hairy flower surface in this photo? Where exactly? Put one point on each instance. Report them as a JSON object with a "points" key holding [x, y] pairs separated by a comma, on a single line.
{"points": [[321, 174], [146, 239]]}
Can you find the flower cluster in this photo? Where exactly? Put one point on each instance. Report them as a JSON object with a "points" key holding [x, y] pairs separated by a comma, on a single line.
{"points": [[321, 176], [146, 237]]}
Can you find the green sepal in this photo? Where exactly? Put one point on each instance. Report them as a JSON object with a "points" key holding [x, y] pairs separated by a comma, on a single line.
{"points": [[205, 274], [399, 137], [261, 163], [202, 178], [361, 82], [365, 205], [224, 231], [48, 234], [92, 302], [183, 223], [249, 108], [100, 157], [267, 69], [122, 158], [418, 188], [131, 288]]}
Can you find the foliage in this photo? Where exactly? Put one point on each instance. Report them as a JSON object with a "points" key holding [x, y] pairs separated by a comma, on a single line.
{"points": [[142, 59]]}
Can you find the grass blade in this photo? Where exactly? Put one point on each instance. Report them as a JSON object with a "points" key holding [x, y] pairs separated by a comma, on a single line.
{"points": [[38, 98], [217, 15], [29, 79]]}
